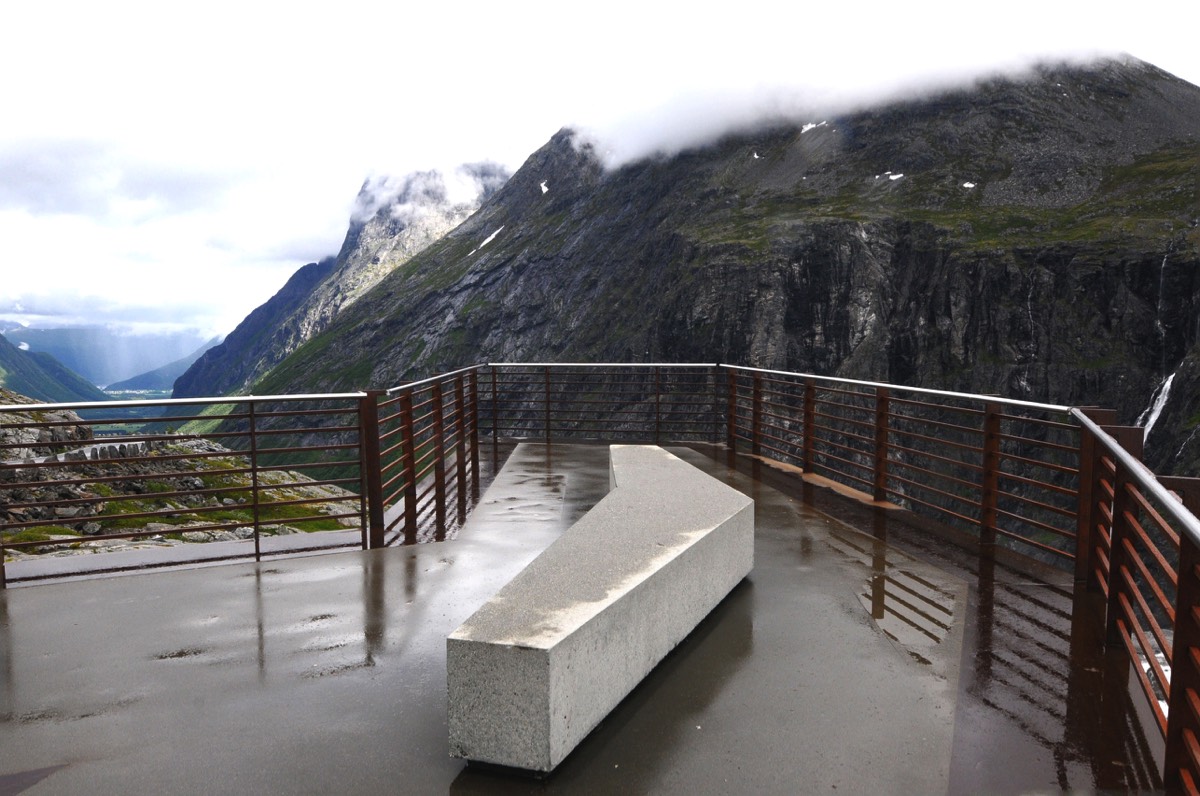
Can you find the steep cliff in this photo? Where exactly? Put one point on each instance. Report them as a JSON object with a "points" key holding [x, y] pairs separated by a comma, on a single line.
{"points": [[1037, 237], [393, 220], [264, 338]]}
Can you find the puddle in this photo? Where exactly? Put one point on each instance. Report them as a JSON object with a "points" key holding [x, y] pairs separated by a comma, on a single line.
{"points": [[186, 652], [913, 603]]}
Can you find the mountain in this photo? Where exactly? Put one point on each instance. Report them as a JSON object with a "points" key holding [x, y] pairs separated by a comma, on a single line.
{"points": [[162, 379], [102, 355], [42, 377], [1034, 236], [393, 220]]}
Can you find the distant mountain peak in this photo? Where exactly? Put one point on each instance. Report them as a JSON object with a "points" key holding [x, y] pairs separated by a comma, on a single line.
{"points": [[393, 220]]}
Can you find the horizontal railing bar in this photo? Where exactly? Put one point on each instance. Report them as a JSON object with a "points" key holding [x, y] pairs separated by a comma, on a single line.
{"points": [[1045, 465], [1152, 512], [932, 506], [1041, 526], [1040, 443], [1163, 565], [232, 399], [927, 488], [1050, 507], [918, 390], [671, 365], [412, 385], [1033, 543], [966, 465], [977, 487], [967, 410], [1145, 479], [962, 446], [1159, 596], [1062, 490], [224, 526], [1041, 422], [1138, 637]]}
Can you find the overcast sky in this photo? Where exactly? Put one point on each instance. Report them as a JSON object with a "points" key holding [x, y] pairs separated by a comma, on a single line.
{"points": [[171, 163]]}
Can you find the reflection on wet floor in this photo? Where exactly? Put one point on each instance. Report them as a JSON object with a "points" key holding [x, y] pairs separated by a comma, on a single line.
{"points": [[913, 604], [1041, 705], [1039, 689], [432, 525]]}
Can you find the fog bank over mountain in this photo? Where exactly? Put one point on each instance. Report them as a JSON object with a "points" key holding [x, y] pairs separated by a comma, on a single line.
{"points": [[703, 116]]}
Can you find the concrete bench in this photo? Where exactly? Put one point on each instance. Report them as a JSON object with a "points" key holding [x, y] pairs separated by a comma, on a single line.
{"points": [[535, 669]]}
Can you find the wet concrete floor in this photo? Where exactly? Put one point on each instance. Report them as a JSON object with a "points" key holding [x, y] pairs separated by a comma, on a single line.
{"points": [[844, 663]]}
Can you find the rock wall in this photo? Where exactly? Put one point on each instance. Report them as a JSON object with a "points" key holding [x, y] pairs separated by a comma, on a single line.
{"points": [[1051, 254]]}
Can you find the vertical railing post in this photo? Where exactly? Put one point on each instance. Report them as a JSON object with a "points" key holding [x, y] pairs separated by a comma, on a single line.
{"points": [[473, 419], [990, 486], [657, 403], [1089, 496], [731, 412], [1130, 438], [756, 416], [408, 465], [460, 446], [495, 411], [3, 573], [439, 456], [880, 469], [716, 401], [810, 424], [254, 479], [370, 470], [547, 405]]}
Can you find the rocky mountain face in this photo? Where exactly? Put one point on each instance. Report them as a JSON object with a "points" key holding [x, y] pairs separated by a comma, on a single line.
{"points": [[62, 428], [1036, 237], [393, 220]]}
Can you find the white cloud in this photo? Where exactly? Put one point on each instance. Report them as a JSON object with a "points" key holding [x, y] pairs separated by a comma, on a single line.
{"points": [[191, 157]]}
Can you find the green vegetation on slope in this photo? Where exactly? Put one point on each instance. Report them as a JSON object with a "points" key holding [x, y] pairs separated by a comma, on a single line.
{"points": [[41, 376]]}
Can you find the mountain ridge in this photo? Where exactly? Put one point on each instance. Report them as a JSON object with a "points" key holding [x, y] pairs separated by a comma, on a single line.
{"points": [[1037, 238], [40, 376], [163, 378], [393, 220]]}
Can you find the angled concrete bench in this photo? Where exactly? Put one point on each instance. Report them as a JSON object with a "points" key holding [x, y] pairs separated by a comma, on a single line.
{"points": [[535, 669]]}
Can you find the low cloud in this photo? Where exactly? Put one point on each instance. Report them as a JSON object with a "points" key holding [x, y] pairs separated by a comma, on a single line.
{"points": [[702, 116], [409, 197]]}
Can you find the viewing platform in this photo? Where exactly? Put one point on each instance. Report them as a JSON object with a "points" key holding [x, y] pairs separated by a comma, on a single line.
{"points": [[861, 655]]}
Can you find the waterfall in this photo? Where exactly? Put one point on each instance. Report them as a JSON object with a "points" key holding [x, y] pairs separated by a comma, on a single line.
{"points": [[1157, 402], [1158, 312]]}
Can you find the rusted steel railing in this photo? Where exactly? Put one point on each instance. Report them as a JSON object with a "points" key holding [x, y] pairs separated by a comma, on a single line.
{"points": [[1005, 471], [382, 468], [611, 402], [429, 456], [240, 469], [1140, 548]]}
